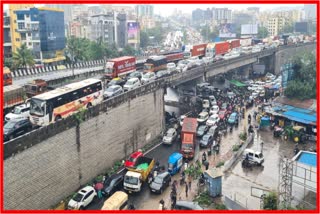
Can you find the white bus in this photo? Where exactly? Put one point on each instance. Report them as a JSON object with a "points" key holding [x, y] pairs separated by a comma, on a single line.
{"points": [[64, 101]]}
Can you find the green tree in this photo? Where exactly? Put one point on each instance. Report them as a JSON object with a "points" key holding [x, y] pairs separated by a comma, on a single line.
{"points": [[262, 32], [128, 51], [288, 28], [144, 39], [23, 57], [8, 62], [270, 201]]}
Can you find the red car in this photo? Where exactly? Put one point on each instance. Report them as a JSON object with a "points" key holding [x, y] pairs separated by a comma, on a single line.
{"points": [[130, 162], [222, 114]]}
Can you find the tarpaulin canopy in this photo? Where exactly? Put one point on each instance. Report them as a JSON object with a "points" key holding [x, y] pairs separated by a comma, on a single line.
{"points": [[237, 83]]}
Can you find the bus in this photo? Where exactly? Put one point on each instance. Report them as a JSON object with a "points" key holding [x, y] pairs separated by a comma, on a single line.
{"points": [[62, 102], [7, 78]]}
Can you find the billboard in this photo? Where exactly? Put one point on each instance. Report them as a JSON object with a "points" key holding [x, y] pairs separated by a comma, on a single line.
{"points": [[133, 32], [227, 30], [301, 27], [249, 29]]}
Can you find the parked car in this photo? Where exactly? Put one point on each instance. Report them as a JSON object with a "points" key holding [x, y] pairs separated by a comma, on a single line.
{"points": [[201, 130], [171, 67], [19, 112], [213, 130], [205, 104], [206, 140], [212, 99], [135, 74], [224, 106], [187, 205], [113, 90], [116, 81], [213, 119], [82, 199], [131, 161], [148, 77], [203, 117], [170, 136], [15, 128], [207, 60], [112, 184], [131, 84], [214, 109], [233, 119], [160, 182], [162, 73]]}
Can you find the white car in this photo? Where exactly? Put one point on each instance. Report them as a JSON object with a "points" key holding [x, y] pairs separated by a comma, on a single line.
{"points": [[170, 136], [131, 84], [203, 117], [255, 94], [207, 60], [82, 199], [182, 66], [213, 119], [148, 77], [205, 104], [171, 67], [113, 90], [181, 119], [212, 100], [214, 109], [19, 112]]}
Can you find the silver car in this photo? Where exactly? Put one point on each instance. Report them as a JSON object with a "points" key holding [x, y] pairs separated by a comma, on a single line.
{"points": [[170, 136], [113, 90]]}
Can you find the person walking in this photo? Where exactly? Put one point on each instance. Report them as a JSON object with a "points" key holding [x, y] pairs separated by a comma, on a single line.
{"points": [[189, 182], [187, 189], [161, 204]]}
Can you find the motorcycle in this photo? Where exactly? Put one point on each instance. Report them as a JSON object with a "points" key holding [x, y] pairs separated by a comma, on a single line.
{"points": [[231, 128]]}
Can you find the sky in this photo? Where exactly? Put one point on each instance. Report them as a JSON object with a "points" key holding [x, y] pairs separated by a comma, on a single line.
{"points": [[167, 9]]}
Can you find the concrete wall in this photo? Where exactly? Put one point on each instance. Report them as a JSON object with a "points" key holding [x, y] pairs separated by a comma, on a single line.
{"points": [[42, 175]]}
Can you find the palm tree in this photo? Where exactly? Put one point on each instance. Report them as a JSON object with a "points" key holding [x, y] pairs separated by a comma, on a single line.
{"points": [[74, 50], [23, 57]]}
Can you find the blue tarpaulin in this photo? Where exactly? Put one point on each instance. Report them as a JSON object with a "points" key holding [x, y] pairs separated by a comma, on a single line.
{"points": [[305, 116]]}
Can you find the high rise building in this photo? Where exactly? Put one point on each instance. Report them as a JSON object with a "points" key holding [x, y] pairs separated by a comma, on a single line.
{"points": [[144, 10], [221, 15], [275, 25], [218, 15], [42, 30], [310, 12], [67, 9]]}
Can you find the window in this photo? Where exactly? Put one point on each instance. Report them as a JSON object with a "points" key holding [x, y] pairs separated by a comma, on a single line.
{"points": [[21, 26], [17, 40], [123, 206]]}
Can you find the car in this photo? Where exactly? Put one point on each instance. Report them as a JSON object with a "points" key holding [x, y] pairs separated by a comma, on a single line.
{"points": [[112, 184], [171, 67], [203, 117], [82, 199], [113, 90], [148, 77], [187, 205], [182, 66], [233, 118], [213, 119], [222, 114], [162, 73], [200, 62], [214, 109], [205, 104], [135, 74], [160, 182], [116, 81], [230, 94], [206, 140], [218, 58], [131, 84], [213, 130], [181, 119], [212, 99], [201, 130], [224, 106], [19, 112], [170, 136], [131, 161], [15, 128], [255, 94], [207, 60]]}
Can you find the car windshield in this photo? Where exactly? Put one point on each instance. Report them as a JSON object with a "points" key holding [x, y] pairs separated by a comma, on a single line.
{"points": [[202, 116], [169, 134], [133, 74], [147, 75], [170, 166], [205, 137], [260, 155], [9, 125], [221, 113], [158, 180], [131, 159], [16, 111], [186, 146], [78, 197], [201, 128], [130, 83], [213, 118], [111, 89], [131, 180], [147, 67], [37, 107]]}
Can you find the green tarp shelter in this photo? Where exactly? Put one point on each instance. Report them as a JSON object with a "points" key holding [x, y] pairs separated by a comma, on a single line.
{"points": [[237, 83]]}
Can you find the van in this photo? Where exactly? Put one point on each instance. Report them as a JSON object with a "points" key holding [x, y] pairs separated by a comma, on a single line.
{"points": [[254, 156], [118, 201]]}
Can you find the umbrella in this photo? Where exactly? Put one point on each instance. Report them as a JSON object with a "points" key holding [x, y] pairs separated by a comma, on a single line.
{"points": [[98, 186]]}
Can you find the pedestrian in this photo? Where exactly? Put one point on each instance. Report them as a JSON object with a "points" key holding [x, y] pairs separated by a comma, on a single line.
{"points": [[187, 188], [189, 182], [161, 204]]}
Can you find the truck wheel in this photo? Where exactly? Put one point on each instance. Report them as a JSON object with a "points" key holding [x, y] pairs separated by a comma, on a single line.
{"points": [[57, 118]]}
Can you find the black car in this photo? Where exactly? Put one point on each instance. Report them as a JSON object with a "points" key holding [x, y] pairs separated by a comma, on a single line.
{"points": [[160, 182], [116, 81], [206, 140], [13, 129], [136, 74], [112, 184]]}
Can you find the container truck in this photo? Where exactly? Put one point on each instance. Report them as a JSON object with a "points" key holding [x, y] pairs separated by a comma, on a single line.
{"points": [[119, 67], [234, 43], [138, 174], [195, 50], [188, 137], [221, 48], [155, 63], [13, 95], [245, 42], [174, 57]]}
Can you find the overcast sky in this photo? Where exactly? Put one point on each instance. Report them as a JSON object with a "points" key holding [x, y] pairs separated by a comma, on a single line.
{"points": [[167, 9]]}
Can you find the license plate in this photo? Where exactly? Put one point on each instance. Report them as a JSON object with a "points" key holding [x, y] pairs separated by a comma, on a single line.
{"points": [[153, 190]]}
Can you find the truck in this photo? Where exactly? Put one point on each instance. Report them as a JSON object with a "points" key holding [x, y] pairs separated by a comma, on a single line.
{"points": [[234, 43], [138, 174], [119, 67], [188, 137], [174, 57], [155, 63], [7, 78], [35, 87], [13, 95], [221, 48], [195, 50], [245, 42]]}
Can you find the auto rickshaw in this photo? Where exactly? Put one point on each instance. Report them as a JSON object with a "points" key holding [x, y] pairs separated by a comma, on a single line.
{"points": [[277, 132]]}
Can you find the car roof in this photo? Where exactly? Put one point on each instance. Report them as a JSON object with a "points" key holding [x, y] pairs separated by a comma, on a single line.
{"points": [[203, 113], [133, 79], [162, 175], [114, 86], [171, 130], [189, 204], [135, 154], [86, 189]]}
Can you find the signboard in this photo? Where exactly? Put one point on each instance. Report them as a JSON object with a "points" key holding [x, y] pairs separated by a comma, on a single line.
{"points": [[133, 32], [227, 30], [301, 27], [249, 29]]}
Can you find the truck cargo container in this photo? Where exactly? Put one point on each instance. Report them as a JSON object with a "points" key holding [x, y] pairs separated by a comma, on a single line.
{"points": [[221, 48], [195, 50], [188, 137], [234, 43], [245, 42], [174, 57], [119, 67], [138, 174], [13, 95], [155, 63]]}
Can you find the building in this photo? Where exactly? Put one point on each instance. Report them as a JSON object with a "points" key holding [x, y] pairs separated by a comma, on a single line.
{"points": [[110, 27], [144, 10], [310, 12], [243, 18], [221, 15], [216, 15], [275, 25], [197, 16], [80, 28], [67, 9], [42, 30], [254, 9], [290, 15]]}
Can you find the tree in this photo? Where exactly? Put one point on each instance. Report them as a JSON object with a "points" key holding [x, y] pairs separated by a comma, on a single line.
{"points": [[262, 32], [144, 39], [23, 57], [270, 201], [288, 28], [8, 62], [128, 51]]}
